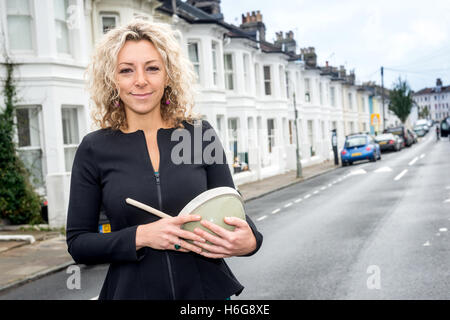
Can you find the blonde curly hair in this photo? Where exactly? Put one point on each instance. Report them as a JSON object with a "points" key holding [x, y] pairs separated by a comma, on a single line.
{"points": [[101, 70]]}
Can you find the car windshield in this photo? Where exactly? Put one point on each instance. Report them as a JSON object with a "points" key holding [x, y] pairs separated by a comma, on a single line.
{"points": [[384, 137], [420, 127], [356, 141]]}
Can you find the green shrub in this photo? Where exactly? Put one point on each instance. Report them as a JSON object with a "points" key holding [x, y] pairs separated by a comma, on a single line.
{"points": [[19, 203]]}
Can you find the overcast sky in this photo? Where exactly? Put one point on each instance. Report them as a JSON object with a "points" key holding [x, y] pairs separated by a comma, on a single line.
{"points": [[407, 35]]}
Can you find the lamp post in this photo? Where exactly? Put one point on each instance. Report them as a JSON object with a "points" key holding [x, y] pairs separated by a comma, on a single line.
{"points": [[297, 150]]}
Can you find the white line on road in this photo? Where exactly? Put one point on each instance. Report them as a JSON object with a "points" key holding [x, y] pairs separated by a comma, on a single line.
{"points": [[307, 196], [443, 230], [261, 218], [276, 211], [422, 155], [288, 205], [401, 175], [323, 188], [316, 192], [448, 200], [413, 161], [330, 185], [298, 200], [427, 244]]}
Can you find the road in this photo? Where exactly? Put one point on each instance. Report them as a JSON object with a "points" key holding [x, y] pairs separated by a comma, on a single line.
{"points": [[368, 231]]}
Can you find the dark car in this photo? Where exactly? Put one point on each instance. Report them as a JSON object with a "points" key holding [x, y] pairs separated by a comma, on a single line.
{"points": [[360, 147], [389, 141], [445, 127], [402, 132]]}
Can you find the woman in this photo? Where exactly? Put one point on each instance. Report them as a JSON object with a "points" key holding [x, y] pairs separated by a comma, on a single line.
{"points": [[140, 84]]}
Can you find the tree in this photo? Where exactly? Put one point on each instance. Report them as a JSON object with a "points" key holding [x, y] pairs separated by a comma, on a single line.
{"points": [[401, 100], [19, 203], [424, 113]]}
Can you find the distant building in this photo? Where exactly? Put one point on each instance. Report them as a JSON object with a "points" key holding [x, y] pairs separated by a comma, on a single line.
{"points": [[433, 102]]}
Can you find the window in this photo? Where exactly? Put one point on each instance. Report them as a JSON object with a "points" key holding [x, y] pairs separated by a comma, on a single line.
{"points": [[311, 138], [332, 97], [232, 136], [62, 31], [220, 132], [229, 73], [257, 80], [19, 23], [271, 133], [71, 139], [287, 84], [307, 90], [109, 21], [282, 81], [29, 142], [267, 81], [291, 130], [246, 73], [194, 57], [350, 101], [214, 51], [321, 93]]}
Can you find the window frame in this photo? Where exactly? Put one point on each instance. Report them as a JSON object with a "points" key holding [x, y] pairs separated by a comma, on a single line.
{"points": [[228, 72], [4, 10], [197, 42], [269, 81]]}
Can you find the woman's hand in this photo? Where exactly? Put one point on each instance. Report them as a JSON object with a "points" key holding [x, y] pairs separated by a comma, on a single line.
{"points": [[165, 233], [228, 243]]}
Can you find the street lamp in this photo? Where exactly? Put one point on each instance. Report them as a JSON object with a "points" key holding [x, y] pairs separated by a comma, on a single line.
{"points": [[297, 150]]}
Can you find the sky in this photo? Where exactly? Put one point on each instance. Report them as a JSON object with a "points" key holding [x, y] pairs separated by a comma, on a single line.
{"points": [[409, 38]]}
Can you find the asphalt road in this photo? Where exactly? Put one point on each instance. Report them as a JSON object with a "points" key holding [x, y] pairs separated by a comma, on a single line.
{"points": [[368, 231]]}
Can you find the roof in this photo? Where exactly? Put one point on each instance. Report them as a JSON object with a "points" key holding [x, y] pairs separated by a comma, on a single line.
{"points": [[432, 90], [195, 15]]}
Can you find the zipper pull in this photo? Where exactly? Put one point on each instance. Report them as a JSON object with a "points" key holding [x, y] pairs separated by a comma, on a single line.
{"points": [[157, 177]]}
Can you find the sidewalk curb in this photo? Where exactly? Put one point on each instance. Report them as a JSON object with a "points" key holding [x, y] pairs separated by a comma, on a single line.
{"points": [[36, 276], [291, 184]]}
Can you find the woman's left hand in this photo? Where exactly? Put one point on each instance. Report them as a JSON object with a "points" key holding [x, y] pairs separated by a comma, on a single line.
{"points": [[228, 243]]}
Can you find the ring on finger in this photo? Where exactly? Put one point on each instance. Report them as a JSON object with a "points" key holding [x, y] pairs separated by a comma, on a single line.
{"points": [[177, 246]]}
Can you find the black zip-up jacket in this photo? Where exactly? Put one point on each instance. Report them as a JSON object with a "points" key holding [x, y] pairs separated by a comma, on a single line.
{"points": [[110, 166]]}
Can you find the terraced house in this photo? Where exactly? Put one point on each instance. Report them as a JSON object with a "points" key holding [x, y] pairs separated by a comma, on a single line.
{"points": [[248, 87]]}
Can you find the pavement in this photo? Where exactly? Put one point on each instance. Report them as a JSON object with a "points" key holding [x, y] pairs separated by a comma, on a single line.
{"points": [[22, 261]]}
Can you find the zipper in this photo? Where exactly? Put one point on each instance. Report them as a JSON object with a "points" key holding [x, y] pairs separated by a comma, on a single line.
{"points": [[169, 265]]}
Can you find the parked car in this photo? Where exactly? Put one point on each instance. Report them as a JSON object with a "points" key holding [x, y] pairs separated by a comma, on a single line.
{"points": [[445, 127], [413, 135], [360, 147], [421, 129], [389, 141], [402, 132]]}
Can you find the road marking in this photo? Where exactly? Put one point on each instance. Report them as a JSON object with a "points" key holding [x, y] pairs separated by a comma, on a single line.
{"points": [[427, 244], [443, 230], [307, 196], [448, 200], [261, 218], [383, 169], [288, 205], [323, 188], [330, 185], [316, 192], [94, 298], [276, 211], [422, 155], [356, 172], [401, 175], [413, 161], [298, 200]]}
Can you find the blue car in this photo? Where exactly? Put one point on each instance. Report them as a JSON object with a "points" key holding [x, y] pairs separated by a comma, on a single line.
{"points": [[360, 147]]}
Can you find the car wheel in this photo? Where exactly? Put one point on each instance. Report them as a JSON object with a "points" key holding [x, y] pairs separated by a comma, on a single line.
{"points": [[379, 155], [373, 158]]}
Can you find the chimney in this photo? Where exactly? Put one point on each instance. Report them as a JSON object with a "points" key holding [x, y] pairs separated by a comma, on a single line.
{"points": [[254, 22], [309, 56], [211, 7]]}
